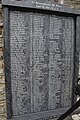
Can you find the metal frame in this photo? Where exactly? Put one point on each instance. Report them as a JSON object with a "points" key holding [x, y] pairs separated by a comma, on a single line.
{"points": [[36, 4], [47, 7], [7, 62]]}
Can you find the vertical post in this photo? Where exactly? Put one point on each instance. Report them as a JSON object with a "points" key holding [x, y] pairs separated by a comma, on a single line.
{"points": [[76, 57]]}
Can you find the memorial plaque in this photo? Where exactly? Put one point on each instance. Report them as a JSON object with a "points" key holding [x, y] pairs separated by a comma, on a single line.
{"points": [[41, 58]]}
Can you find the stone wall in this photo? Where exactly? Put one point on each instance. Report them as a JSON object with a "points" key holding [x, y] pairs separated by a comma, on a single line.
{"points": [[73, 3], [70, 3], [59, 1], [2, 83]]}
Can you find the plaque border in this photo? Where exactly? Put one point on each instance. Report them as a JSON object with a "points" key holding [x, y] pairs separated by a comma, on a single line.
{"points": [[34, 4], [7, 63], [76, 55]]}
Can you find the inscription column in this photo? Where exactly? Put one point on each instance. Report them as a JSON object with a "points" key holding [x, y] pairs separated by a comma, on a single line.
{"points": [[40, 62], [67, 61], [20, 55], [55, 62]]}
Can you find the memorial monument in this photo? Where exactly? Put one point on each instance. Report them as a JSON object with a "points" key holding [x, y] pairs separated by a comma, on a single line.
{"points": [[41, 58]]}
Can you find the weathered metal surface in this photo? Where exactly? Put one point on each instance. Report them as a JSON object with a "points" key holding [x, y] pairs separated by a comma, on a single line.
{"points": [[41, 59]]}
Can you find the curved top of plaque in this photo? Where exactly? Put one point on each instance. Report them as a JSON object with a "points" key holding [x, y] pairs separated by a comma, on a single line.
{"points": [[42, 5]]}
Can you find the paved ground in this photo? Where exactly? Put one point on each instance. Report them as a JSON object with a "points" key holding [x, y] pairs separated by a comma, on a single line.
{"points": [[74, 117]]}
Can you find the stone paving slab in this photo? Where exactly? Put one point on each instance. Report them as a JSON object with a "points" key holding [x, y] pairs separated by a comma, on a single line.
{"points": [[76, 117], [68, 118]]}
